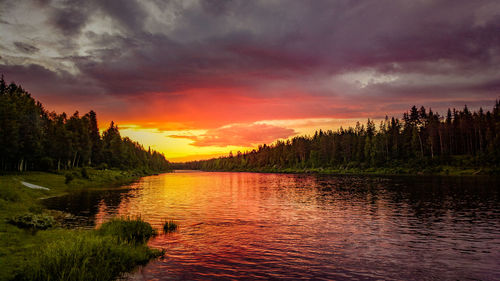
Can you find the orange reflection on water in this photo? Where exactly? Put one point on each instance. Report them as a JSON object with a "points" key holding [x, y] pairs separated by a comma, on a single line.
{"points": [[264, 226]]}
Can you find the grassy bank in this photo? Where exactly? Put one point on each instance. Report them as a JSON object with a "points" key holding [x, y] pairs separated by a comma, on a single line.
{"points": [[436, 170], [23, 221]]}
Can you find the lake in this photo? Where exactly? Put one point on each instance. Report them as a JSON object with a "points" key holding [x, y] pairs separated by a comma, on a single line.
{"points": [[284, 226]]}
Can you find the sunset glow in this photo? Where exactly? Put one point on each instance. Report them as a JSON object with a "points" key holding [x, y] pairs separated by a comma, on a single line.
{"points": [[197, 79], [249, 140]]}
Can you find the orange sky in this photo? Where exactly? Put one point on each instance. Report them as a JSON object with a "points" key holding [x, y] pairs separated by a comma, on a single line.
{"points": [[197, 79], [187, 145], [211, 122]]}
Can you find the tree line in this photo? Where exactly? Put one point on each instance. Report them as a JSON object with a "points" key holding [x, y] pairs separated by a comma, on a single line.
{"points": [[32, 138], [421, 139]]}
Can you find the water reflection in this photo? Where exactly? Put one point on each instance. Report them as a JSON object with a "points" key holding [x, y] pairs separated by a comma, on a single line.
{"points": [[88, 206], [251, 226]]}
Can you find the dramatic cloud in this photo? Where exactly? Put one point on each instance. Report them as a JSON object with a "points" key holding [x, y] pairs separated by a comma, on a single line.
{"points": [[135, 48], [70, 18], [245, 135], [206, 64], [26, 48]]}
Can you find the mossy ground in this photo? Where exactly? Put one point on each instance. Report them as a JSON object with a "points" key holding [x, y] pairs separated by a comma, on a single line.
{"points": [[18, 247]]}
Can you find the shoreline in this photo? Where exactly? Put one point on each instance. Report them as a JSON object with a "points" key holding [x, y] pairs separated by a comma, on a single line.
{"points": [[17, 245], [447, 172]]}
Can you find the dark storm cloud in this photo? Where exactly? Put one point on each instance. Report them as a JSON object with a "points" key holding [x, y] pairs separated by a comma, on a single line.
{"points": [[29, 72], [42, 3], [306, 39], [216, 7], [71, 16], [173, 46], [61, 83], [69, 21], [128, 13], [26, 48]]}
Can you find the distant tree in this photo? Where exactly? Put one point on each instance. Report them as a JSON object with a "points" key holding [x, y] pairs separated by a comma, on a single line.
{"points": [[420, 138], [33, 139]]}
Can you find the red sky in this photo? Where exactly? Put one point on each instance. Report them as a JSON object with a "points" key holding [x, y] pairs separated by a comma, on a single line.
{"points": [[196, 79]]}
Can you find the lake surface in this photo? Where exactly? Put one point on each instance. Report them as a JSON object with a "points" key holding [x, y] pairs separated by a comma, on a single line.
{"points": [[281, 226]]}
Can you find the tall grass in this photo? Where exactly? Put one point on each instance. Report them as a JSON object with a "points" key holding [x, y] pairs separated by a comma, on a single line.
{"points": [[169, 226], [19, 247], [104, 254], [85, 257], [129, 230]]}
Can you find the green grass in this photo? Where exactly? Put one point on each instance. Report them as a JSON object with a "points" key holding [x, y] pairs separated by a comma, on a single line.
{"points": [[18, 246], [169, 226], [91, 255], [128, 230]]}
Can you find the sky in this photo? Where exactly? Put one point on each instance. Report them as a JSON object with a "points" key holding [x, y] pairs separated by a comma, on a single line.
{"points": [[197, 79]]}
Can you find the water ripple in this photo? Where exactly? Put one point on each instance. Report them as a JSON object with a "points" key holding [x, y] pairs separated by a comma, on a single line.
{"points": [[302, 227]]}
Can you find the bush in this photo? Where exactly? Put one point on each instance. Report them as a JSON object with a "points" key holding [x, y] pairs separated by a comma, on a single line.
{"points": [[169, 226], [85, 257], [128, 230], [85, 173], [32, 221], [68, 178]]}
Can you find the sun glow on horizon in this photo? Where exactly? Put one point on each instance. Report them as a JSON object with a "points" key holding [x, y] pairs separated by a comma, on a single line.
{"points": [[190, 144], [176, 149]]}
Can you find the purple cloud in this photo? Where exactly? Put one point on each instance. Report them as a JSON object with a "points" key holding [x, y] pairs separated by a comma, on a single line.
{"points": [[434, 51]]}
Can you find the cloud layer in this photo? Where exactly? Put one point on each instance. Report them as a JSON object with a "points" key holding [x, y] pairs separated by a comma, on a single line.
{"points": [[207, 64]]}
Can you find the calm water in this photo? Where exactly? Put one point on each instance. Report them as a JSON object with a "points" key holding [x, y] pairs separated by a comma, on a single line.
{"points": [[278, 226]]}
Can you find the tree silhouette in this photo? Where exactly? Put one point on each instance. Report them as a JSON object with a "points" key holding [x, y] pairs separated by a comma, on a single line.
{"points": [[422, 139], [32, 138]]}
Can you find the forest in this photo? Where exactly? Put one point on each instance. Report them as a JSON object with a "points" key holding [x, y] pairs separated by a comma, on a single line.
{"points": [[420, 141], [32, 138]]}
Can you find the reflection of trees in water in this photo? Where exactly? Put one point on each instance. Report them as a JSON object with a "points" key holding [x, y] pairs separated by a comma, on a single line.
{"points": [[429, 197], [351, 188], [85, 205], [424, 199], [444, 207]]}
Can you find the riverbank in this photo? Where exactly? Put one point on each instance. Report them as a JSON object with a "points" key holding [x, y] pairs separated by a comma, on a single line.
{"points": [[20, 205], [380, 171]]}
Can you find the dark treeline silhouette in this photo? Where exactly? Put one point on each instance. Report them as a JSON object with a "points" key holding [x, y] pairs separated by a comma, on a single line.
{"points": [[31, 138], [422, 139]]}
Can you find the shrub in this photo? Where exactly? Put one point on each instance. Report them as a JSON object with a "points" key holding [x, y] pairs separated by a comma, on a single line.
{"points": [[128, 230], [169, 226], [105, 166], [102, 166], [32, 221], [68, 178], [85, 173]]}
